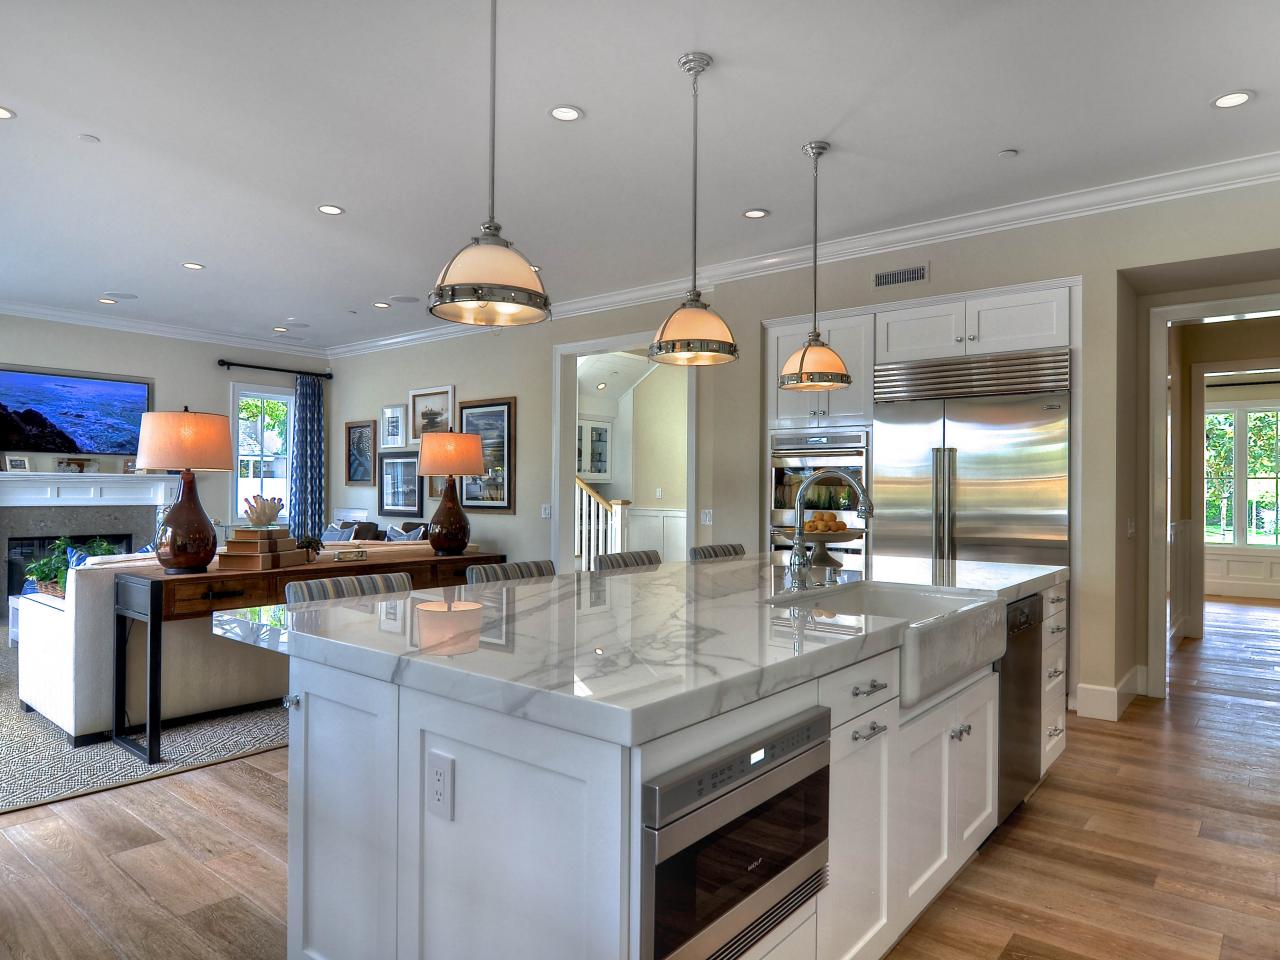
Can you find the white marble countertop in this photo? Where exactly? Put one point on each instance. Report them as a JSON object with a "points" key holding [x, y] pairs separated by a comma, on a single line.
{"points": [[1008, 581], [625, 657]]}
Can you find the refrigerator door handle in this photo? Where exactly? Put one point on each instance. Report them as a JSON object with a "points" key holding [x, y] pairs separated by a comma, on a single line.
{"points": [[949, 530], [941, 505]]}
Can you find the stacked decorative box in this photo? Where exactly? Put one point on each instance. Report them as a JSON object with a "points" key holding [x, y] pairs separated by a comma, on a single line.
{"points": [[260, 548]]}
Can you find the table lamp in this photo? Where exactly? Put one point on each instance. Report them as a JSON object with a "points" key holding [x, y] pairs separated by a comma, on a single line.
{"points": [[185, 441], [449, 627], [448, 455]]}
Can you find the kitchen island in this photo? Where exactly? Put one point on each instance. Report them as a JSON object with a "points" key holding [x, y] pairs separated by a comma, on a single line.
{"points": [[468, 767]]}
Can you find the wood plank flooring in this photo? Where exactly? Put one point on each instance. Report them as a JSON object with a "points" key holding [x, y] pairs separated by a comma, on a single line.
{"points": [[1157, 838]]}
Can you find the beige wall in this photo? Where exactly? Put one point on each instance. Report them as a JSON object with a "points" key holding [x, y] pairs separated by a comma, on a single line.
{"points": [[659, 440], [181, 371]]}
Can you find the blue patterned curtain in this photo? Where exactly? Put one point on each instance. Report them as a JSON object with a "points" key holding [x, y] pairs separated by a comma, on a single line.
{"points": [[306, 464]]}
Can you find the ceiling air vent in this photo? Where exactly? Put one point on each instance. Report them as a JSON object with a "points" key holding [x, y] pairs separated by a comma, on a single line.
{"points": [[889, 278]]}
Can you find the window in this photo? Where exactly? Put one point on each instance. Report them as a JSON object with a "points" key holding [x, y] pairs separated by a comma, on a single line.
{"points": [[263, 418], [1240, 455]]}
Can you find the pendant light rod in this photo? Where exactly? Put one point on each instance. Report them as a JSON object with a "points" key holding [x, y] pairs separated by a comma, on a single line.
{"points": [[493, 99], [694, 64], [813, 150]]}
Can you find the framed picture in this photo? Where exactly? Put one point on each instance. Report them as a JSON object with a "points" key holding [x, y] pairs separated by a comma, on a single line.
{"points": [[495, 421], [430, 411], [435, 487], [362, 452], [17, 463], [393, 616], [498, 626], [76, 465], [394, 422], [399, 486], [130, 465]]}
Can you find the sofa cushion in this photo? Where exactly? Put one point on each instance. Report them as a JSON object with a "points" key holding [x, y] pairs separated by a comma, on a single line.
{"points": [[395, 533], [336, 534]]}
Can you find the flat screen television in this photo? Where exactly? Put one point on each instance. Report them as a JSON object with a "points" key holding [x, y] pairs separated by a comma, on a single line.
{"points": [[64, 413]]}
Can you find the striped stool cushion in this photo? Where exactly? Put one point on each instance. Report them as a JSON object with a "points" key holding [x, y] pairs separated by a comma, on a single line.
{"points": [[716, 551], [523, 570], [628, 558], [336, 588]]}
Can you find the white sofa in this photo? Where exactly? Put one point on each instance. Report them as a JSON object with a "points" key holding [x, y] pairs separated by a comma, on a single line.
{"points": [[65, 653]]}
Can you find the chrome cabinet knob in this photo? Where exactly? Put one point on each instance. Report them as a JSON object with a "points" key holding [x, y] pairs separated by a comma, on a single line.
{"points": [[875, 687], [872, 732], [1055, 731], [962, 731], [291, 702], [1057, 599], [1055, 673], [973, 336], [959, 339], [1058, 629]]}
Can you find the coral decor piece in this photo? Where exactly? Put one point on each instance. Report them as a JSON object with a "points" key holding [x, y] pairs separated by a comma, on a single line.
{"points": [[262, 511]]}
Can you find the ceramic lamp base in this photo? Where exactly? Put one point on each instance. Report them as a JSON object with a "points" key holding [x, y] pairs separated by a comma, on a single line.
{"points": [[188, 542], [449, 530]]}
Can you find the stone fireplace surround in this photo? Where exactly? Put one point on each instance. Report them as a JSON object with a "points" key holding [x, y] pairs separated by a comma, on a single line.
{"points": [[88, 521]]}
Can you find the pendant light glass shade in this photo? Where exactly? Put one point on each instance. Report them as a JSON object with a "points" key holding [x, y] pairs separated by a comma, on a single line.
{"points": [[694, 335], [488, 282], [815, 366]]}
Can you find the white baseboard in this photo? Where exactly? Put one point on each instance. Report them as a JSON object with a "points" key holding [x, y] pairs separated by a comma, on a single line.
{"points": [[1109, 703]]}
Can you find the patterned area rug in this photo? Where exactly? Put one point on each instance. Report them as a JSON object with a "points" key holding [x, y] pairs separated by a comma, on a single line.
{"points": [[38, 766]]}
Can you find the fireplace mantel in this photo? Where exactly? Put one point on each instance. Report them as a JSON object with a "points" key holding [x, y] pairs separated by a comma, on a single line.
{"points": [[86, 489]]}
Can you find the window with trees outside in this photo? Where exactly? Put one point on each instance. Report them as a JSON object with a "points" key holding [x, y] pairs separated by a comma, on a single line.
{"points": [[1240, 456], [263, 418]]}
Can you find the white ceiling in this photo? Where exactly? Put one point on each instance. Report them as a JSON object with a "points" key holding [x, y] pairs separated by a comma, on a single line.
{"points": [[223, 125], [619, 372]]}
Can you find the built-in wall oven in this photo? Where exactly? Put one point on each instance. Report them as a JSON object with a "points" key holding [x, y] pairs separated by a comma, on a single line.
{"points": [[793, 456], [735, 841]]}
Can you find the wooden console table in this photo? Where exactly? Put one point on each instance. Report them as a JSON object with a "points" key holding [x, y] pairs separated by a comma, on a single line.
{"points": [[153, 597]]}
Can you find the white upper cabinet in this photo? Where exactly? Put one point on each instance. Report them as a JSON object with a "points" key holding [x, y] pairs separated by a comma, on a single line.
{"points": [[1018, 321], [921, 333], [850, 335]]}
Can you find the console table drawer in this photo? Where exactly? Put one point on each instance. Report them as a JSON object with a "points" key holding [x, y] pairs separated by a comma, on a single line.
{"points": [[205, 596]]}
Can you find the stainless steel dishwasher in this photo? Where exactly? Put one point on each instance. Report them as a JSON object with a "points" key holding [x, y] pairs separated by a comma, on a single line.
{"points": [[1020, 686]]}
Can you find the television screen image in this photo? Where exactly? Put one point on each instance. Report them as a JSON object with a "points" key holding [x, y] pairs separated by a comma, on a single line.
{"points": [[57, 413]]}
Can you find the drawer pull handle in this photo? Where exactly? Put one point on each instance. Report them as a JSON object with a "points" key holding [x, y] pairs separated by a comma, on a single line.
{"points": [[1058, 629], [212, 594], [973, 336], [962, 731], [875, 687], [874, 731], [1055, 731], [1057, 599], [1055, 673], [291, 702], [959, 339]]}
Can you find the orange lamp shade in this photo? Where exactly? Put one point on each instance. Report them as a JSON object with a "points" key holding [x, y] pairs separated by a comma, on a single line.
{"points": [[448, 628], [450, 455], [182, 440]]}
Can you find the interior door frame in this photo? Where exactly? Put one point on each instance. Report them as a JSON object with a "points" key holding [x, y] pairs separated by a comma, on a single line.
{"points": [[564, 423], [1160, 322]]}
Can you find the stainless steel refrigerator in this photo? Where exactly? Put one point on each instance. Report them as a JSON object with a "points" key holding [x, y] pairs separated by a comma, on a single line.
{"points": [[972, 478]]}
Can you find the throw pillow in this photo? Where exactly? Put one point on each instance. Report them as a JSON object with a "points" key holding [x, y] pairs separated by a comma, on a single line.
{"points": [[335, 534], [396, 533]]}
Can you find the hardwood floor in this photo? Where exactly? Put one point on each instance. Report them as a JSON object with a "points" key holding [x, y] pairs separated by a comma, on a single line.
{"points": [[188, 866], [1157, 838]]}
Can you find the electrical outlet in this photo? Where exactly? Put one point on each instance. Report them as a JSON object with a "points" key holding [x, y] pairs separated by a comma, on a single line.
{"points": [[657, 494], [440, 784], [705, 518], [546, 511]]}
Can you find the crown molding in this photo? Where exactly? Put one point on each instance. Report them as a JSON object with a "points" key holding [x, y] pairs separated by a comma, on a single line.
{"points": [[1175, 185], [155, 329]]}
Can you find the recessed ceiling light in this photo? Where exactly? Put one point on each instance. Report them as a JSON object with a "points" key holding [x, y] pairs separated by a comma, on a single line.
{"points": [[382, 306], [1233, 99], [192, 265], [280, 329], [755, 213], [566, 112], [330, 209], [402, 298], [601, 386], [88, 138], [106, 300], [1008, 153], [6, 113]]}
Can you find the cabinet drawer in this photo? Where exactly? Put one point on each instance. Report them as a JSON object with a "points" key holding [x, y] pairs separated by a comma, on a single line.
{"points": [[1053, 630], [857, 689], [205, 596], [1053, 732], [1055, 600], [1053, 665]]}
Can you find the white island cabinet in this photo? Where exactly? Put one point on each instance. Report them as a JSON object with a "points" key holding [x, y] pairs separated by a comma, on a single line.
{"points": [[470, 786]]}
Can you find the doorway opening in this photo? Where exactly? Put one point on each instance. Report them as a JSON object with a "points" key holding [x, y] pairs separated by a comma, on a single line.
{"points": [[625, 477]]}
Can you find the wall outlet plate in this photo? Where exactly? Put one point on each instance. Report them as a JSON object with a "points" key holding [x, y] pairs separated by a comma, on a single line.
{"points": [[705, 518], [546, 511], [657, 494], [440, 784]]}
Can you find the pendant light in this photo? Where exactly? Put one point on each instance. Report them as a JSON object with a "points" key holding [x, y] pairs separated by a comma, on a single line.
{"points": [[815, 366], [694, 335], [488, 282]]}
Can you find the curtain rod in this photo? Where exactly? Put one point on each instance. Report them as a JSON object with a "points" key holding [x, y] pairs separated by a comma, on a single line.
{"points": [[326, 375]]}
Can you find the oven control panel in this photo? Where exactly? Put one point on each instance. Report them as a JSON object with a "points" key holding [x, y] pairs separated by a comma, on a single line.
{"points": [[671, 795]]}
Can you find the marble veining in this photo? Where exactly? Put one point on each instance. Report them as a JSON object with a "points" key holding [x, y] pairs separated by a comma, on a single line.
{"points": [[626, 656]]}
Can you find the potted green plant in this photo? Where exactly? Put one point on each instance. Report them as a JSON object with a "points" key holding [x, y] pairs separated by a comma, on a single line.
{"points": [[50, 572], [312, 545]]}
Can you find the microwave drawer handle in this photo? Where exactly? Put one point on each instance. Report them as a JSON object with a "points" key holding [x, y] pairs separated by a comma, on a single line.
{"points": [[872, 732], [872, 689]]}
